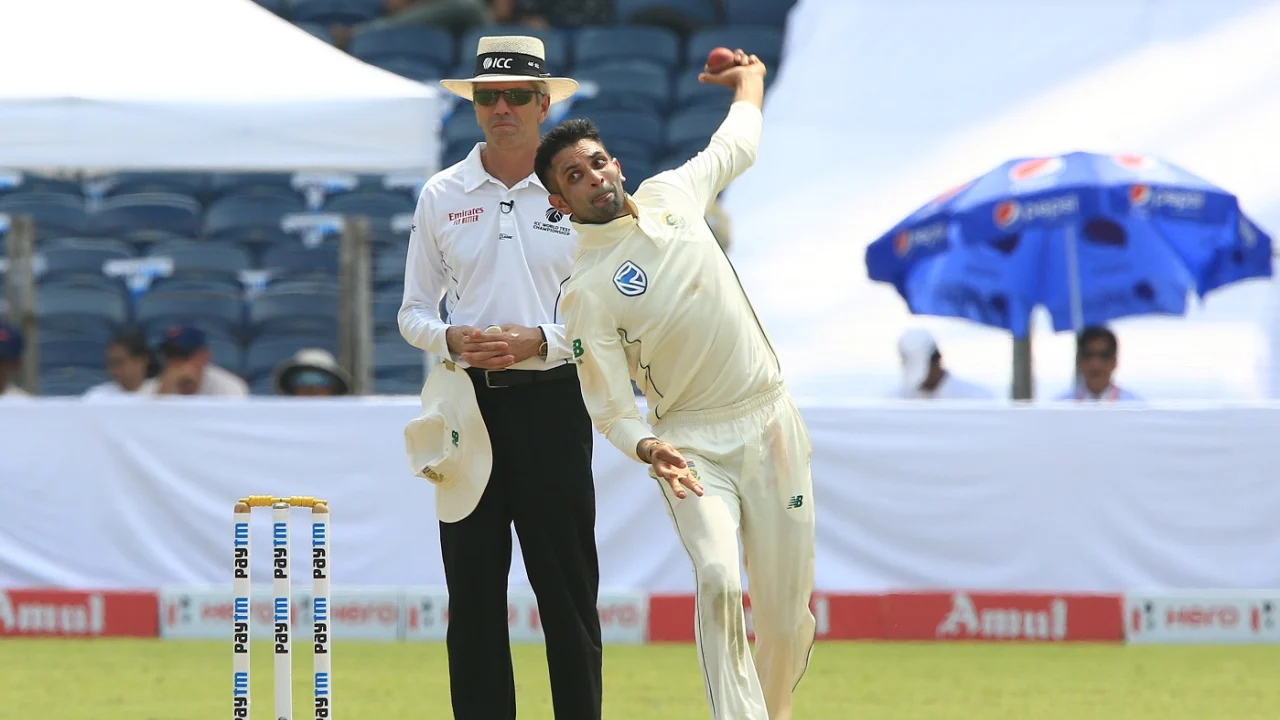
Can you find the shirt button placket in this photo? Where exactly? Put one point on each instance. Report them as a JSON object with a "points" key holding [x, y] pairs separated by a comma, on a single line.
{"points": [[507, 218]]}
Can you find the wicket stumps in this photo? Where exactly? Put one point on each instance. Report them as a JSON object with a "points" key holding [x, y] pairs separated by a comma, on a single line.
{"points": [[281, 604]]}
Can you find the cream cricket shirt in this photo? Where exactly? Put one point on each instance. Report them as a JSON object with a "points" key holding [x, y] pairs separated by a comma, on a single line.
{"points": [[653, 298], [496, 254]]}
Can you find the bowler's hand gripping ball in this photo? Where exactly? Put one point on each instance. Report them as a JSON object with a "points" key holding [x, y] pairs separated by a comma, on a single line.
{"points": [[720, 59]]}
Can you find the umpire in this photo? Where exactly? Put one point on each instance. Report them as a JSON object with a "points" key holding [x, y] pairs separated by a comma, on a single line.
{"points": [[486, 240]]}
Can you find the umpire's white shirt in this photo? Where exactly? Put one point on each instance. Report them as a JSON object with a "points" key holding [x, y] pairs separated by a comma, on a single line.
{"points": [[498, 255], [654, 299]]}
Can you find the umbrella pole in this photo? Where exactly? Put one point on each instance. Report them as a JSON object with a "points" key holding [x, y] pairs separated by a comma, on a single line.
{"points": [[1022, 385]]}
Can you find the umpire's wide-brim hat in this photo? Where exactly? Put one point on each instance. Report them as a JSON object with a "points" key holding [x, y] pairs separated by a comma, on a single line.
{"points": [[512, 58], [449, 444]]}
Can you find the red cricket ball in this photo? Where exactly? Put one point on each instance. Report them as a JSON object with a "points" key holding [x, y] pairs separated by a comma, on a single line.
{"points": [[720, 59]]}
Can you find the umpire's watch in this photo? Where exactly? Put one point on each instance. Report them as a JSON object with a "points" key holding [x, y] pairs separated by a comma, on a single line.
{"points": [[542, 349]]}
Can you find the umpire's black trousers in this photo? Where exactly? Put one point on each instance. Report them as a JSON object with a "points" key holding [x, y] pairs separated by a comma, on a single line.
{"points": [[541, 481]]}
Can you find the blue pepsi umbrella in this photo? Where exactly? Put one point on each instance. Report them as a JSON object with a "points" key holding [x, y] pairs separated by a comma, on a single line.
{"points": [[1090, 237]]}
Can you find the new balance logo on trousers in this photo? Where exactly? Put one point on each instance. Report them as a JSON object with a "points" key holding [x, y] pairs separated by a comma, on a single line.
{"points": [[795, 502]]}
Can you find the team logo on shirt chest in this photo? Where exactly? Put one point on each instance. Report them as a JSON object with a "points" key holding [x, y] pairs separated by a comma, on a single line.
{"points": [[630, 279], [466, 216]]}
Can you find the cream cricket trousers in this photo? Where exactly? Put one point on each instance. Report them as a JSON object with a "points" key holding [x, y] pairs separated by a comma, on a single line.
{"points": [[753, 461]]}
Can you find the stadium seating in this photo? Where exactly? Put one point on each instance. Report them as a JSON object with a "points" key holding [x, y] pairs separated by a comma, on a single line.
{"points": [[211, 309], [646, 88], [410, 68], [148, 216], [757, 12], [642, 128], [597, 46], [701, 12], [67, 258], [195, 260], [194, 185], [297, 308], [425, 44], [54, 214], [335, 12]]}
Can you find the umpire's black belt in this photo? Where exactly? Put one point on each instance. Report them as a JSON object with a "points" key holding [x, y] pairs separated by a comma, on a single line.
{"points": [[517, 378]]}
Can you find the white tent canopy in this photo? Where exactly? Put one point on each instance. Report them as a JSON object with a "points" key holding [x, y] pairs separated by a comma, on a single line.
{"points": [[197, 85]]}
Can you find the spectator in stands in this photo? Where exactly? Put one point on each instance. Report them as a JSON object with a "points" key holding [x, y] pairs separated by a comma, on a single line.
{"points": [[1097, 350], [311, 373], [458, 16], [130, 365], [924, 377], [486, 238], [189, 369], [10, 361]]}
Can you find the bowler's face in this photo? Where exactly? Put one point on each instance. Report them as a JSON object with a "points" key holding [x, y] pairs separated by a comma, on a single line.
{"points": [[507, 124], [588, 183]]}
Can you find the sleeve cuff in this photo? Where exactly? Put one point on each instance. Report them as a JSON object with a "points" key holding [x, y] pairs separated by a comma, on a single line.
{"points": [[557, 343], [626, 435]]}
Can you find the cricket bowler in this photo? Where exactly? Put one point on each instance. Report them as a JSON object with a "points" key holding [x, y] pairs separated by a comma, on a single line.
{"points": [[652, 298]]}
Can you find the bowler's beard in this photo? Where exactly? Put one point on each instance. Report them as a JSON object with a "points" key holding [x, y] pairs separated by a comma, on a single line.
{"points": [[594, 214]]}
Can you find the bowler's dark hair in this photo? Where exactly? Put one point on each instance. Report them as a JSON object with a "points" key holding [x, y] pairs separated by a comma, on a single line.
{"points": [[1096, 332], [558, 138]]}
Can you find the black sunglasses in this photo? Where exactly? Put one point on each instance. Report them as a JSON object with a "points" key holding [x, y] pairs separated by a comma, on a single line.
{"points": [[1096, 354], [513, 96]]}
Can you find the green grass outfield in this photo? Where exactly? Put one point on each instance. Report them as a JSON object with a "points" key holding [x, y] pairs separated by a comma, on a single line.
{"points": [[154, 680]]}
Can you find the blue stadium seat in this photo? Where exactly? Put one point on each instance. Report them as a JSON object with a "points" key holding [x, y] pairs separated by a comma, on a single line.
{"points": [[641, 88], [257, 184], [34, 183], [593, 46], [693, 126], [213, 312], [263, 355], [461, 127], [764, 42], [699, 12], [456, 152], [283, 309], [636, 169], [414, 42], [757, 12], [641, 128], [72, 257], [74, 303], [196, 185], [55, 214], [386, 308], [692, 93], [373, 205], [263, 386], [553, 40], [335, 12], [252, 219], [195, 260], [317, 30], [69, 381], [148, 216], [294, 260], [388, 268], [68, 352], [398, 384], [410, 68], [394, 354], [279, 7]]}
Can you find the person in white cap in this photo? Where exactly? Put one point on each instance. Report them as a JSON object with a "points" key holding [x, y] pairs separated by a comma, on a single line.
{"points": [[486, 240], [924, 377], [311, 372], [654, 299]]}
